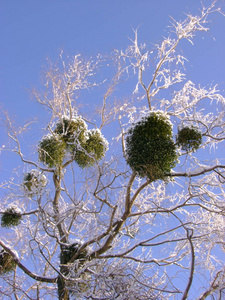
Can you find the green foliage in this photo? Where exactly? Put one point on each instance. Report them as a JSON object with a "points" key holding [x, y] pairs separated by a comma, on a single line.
{"points": [[93, 149], [34, 181], [71, 136], [189, 138], [52, 150], [71, 132], [151, 151], [7, 263], [11, 217]]}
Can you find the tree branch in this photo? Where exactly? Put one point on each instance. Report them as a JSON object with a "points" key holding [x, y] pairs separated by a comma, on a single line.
{"points": [[196, 173], [24, 269], [189, 237]]}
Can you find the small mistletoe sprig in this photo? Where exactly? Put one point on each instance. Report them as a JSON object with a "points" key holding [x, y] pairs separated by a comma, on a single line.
{"points": [[189, 138], [11, 217], [7, 263]]}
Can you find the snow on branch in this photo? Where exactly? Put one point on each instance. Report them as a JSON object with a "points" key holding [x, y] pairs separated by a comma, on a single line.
{"points": [[25, 269], [197, 172]]}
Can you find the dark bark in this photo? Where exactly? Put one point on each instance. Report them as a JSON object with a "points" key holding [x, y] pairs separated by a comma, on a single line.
{"points": [[63, 292]]}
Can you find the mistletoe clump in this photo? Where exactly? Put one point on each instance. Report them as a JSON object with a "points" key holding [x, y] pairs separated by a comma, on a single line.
{"points": [[52, 150], [34, 181], [72, 136], [151, 151], [72, 132], [189, 138], [92, 149], [11, 217], [68, 251], [7, 263]]}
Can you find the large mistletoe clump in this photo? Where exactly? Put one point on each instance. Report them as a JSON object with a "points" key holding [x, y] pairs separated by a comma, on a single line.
{"points": [[151, 151], [72, 136]]}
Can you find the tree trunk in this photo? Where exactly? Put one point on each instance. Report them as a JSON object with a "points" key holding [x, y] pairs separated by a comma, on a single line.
{"points": [[63, 293]]}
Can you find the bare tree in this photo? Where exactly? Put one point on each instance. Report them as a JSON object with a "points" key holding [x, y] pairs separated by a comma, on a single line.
{"points": [[138, 217]]}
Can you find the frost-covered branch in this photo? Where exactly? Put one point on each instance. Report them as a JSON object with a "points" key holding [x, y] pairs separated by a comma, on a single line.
{"points": [[23, 268], [216, 284], [63, 82], [200, 171], [189, 237]]}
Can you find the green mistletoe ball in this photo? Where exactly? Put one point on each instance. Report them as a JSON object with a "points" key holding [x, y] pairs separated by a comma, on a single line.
{"points": [[150, 149], [52, 150], [11, 217], [7, 263], [72, 132], [92, 149], [189, 138]]}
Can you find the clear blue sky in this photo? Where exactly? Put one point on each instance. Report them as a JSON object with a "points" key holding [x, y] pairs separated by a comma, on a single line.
{"points": [[32, 30]]}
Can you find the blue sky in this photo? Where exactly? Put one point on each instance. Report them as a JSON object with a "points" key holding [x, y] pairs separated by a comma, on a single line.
{"points": [[32, 30]]}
